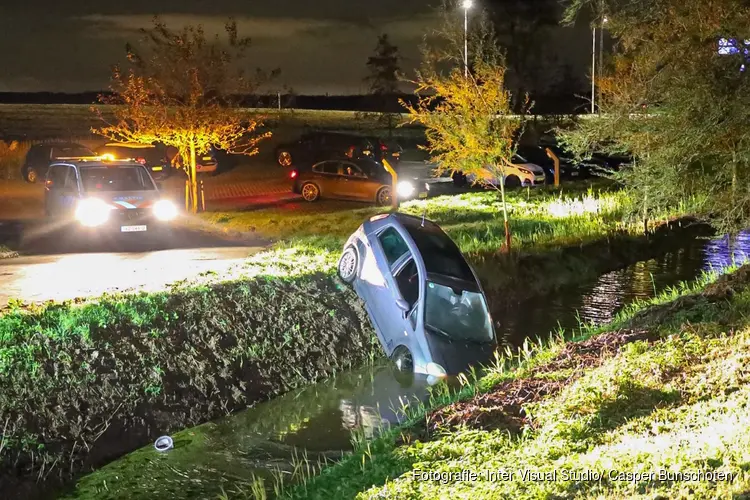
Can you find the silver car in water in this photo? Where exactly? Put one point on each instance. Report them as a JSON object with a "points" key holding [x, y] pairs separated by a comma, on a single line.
{"points": [[424, 300]]}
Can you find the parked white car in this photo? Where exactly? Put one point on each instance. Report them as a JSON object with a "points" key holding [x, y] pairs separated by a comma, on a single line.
{"points": [[520, 173]]}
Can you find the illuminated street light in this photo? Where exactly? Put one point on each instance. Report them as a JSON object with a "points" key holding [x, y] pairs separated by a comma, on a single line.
{"points": [[466, 5]]}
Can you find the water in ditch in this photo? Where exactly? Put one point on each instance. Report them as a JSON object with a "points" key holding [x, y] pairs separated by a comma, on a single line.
{"points": [[317, 422]]}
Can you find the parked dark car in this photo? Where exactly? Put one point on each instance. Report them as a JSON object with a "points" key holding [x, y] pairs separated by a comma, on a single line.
{"points": [[425, 301], [363, 180], [319, 146], [388, 150], [40, 156], [154, 158]]}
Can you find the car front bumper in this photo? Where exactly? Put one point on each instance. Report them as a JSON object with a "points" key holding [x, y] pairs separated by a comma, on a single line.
{"points": [[133, 222]]}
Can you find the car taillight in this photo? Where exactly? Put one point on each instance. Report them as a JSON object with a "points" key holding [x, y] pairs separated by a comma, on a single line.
{"points": [[142, 161], [293, 174], [383, 147]]}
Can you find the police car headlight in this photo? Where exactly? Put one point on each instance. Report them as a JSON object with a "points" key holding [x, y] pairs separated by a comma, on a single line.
{"points": [[92, 212], [405, 189], [165, 210]]}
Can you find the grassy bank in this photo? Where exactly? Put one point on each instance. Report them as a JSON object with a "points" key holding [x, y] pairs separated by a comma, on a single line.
{"points": [[558, 237], [616, 413], [82, 384]]}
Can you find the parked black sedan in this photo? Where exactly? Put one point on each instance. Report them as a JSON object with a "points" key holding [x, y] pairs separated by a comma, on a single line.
{"points": [[363, 180], [40, 156]]}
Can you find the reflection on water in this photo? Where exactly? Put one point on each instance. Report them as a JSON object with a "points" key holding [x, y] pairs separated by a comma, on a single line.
{"points": [[320, 419], [599, 301]]}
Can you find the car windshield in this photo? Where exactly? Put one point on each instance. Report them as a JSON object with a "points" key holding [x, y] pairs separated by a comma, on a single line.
{"points": [[457, 312], [99, 179], [439, 253]]}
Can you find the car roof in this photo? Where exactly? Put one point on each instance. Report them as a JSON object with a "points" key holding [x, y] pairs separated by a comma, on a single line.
{"points": [[96, 163], [59, 145], [133, 145]]}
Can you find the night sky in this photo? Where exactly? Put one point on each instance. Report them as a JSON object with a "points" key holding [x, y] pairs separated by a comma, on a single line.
{"points": [[321, 46]]}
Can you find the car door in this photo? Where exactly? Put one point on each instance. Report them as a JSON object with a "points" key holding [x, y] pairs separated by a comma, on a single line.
{"points": [[61, 190], [396, 262], [355, 184], [327, 176]]}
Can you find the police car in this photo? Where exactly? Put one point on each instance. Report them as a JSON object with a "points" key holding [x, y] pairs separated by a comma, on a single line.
{"points": [[116, 196]]}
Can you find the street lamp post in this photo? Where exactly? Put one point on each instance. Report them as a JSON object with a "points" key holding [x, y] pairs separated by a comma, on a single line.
{"points": [[593, 60], [466, 5], [593, 70]]}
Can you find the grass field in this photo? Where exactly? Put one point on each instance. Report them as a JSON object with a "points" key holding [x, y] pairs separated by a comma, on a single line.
{"points": [[45, 121]]}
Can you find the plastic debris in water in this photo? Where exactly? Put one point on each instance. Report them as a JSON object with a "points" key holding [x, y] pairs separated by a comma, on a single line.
{"points": [[164, 443]]}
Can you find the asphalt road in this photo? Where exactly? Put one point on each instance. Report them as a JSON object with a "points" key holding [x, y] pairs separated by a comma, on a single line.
{"points": [[61, 264]]}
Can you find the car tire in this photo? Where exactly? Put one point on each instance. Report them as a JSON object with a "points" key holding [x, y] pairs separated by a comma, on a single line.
{"points": [[30, 175], [403, 361], [459, 179], [348, 266], [384, 196], [310, 191], [512, 182], [284, 158]]}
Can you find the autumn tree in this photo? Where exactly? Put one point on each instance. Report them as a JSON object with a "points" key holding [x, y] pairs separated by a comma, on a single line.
{"points": [[383, 78], [183, 89], [468, 119], [676, 96]]}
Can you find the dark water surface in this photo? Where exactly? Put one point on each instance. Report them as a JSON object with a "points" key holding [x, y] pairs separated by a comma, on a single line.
{"points": [[317, 422]]}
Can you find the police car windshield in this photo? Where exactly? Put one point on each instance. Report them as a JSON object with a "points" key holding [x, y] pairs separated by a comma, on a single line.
{"points": [[126, 178]]}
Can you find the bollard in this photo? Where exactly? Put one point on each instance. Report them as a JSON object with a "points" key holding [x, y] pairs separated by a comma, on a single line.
{"points": [[187, 196], [203, 198]]}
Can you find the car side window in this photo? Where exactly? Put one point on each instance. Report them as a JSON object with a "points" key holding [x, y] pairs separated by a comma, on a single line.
{"points": [[393, 244], [56, 177], [71, 181], [331, 167], [407, 280], [352, 170]]}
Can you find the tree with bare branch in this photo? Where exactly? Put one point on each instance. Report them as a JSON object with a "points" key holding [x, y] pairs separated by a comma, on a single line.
{"points": [[469, 122], [183, 89]]}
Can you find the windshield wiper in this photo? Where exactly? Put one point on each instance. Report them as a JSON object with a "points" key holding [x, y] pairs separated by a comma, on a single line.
{"points": [[454, 339], [439, 331]]}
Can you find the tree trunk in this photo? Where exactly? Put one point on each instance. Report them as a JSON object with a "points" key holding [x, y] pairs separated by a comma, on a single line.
{"points": [[193, 179], [734, 178]]}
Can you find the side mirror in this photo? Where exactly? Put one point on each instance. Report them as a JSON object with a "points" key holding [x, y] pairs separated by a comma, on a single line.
{"points": [[404, 306]]}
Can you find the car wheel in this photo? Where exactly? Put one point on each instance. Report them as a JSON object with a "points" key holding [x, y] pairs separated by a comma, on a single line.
{"points": [[383, 198], [403, 361], [459, 179], [284, 158], [512, 182], [348, 265], [310, 191], [31, 175]]}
